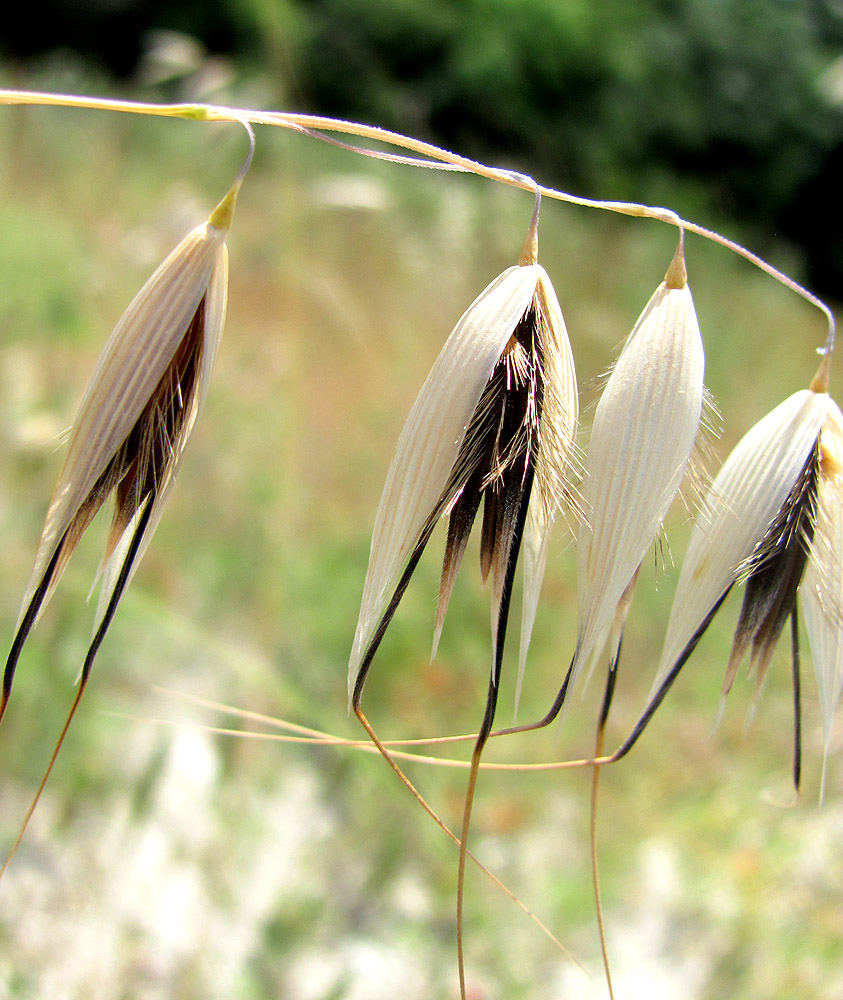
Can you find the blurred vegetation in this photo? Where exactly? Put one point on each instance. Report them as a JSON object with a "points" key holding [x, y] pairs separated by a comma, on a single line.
{"points": [[729, 110]]}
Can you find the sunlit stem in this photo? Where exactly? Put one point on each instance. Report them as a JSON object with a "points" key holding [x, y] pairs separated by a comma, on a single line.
{"points": [[797, 701], [595, 782], [491, 699], [224, 212], [436, 155], [373, 736], [530, 251]]}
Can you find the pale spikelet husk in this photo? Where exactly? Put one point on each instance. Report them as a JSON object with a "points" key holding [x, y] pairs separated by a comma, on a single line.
{"points": [[743, 501], [556, 457], [431, 439], [416, 492], [560, 410], [643, 434], [822, 585], [215, 307], [132, 364]]}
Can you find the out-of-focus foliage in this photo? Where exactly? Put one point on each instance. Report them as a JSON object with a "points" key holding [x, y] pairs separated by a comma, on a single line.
{"points": [[724, 108], [716, 105]]}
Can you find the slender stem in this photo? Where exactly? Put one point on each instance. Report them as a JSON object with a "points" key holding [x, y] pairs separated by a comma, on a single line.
{"points": [[250, 132], [379, 744], [595, 871], [595, 782], [797, 701], [309, 123], [44, 99], [491, 696]]}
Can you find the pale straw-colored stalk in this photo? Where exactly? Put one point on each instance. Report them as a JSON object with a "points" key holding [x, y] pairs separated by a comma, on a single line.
{"points": [[433, 155]]}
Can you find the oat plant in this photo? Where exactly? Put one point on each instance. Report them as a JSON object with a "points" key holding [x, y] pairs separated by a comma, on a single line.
{"points": [[494, 426], [130, 433]]}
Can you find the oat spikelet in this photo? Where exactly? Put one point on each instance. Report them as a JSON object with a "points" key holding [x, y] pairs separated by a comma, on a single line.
{"points": [[642, 438], [746, 516], [822, 585], [133, 423], [497, 413], [771, 521]]}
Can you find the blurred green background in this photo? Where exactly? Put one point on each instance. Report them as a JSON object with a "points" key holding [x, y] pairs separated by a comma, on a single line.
{"points": [[166, 861], [730, 108]]}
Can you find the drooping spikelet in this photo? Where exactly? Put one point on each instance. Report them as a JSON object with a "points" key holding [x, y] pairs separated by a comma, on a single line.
{"points": [[772, 520], [497, 413], [752, 513], [133, 423], [642, 438]]}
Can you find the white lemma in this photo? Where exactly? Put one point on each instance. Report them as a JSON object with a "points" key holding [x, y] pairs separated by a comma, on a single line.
{"points": [[135, 357], [643, 434], [741, 504], [415, 488], [822, 585]]}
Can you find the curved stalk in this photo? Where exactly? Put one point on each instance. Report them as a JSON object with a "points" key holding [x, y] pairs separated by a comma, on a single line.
{"points": [[437, 157]]}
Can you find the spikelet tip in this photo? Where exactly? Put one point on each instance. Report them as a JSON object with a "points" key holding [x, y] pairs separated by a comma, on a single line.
{"points": [[224, 212], [677, 275], [819, 383]]}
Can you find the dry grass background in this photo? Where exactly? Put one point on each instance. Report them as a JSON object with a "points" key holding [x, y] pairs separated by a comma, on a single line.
{"points": [[166, 861]]}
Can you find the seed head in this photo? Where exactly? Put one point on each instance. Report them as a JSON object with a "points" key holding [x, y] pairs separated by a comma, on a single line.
{"points": [[133, 423], [753, 517], [643, 434], [497, 412]]}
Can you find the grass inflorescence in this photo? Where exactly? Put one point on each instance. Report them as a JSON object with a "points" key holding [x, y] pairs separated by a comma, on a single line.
{"points": [[214, 864]]}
